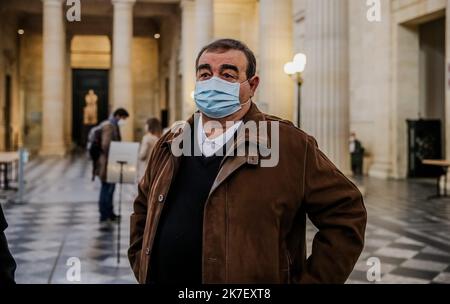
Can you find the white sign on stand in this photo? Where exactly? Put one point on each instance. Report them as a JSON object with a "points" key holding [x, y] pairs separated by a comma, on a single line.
{"points": [[122, 169], [125, 153]]}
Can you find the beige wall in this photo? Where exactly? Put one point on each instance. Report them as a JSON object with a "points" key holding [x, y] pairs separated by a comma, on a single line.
{"points": [[168, 66], [90, 52], [145, 82], [370, 84], [384, 76], [9, 54], [31, 84], [237, 19], [432, 72], [432, 69]]}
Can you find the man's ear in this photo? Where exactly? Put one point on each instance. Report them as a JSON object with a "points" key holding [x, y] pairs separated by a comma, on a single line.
{"points": [[254, 83]]}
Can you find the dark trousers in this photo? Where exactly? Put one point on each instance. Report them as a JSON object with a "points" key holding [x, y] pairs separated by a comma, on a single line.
{"points": [[106, 200], [7, 263]]}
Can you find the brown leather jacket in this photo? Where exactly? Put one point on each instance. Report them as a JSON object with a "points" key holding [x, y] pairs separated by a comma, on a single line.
{"points": [[255, 217]]}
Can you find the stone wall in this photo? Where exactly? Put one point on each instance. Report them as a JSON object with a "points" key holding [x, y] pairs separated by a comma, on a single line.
{"points": [[407, 16], [370, 48], [9, 66], [31, 86], [145, 82], [384, 76]]}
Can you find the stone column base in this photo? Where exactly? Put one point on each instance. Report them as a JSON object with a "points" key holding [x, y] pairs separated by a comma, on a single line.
{"points": [[53, 150], [380, 170]]}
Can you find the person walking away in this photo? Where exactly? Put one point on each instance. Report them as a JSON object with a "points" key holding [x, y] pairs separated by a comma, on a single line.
{"points": [[109, 132], [154, 131]]}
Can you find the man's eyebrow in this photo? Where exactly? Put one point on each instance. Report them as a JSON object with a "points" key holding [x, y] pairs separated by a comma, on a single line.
{"points": [[224, 67], [204, 66]]}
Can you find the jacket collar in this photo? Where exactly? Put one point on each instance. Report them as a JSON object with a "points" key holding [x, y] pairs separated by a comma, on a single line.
{"points": [[252, 115]]}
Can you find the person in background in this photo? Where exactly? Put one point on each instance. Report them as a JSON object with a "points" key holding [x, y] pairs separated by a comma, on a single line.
{"points": [[357, 154], [109, 132], [154, 131], [7, 263]]}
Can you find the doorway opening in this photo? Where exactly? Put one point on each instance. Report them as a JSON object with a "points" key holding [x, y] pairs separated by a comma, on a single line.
{"points": [[90, 59], [90, 102], [426, 133], [420, 94]]}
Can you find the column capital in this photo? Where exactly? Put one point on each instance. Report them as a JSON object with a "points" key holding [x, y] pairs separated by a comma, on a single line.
{"points": [[123, 2], [52, 2]]}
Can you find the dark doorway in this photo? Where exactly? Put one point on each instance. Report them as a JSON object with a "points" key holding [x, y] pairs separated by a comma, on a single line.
{"points": [[83, 117], [7, 113]]}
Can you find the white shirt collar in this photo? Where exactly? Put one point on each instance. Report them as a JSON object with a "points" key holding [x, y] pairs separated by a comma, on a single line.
{"points": [[208, 146]]}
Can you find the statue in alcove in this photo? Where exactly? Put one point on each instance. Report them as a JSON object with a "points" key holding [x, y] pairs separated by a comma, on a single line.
{"points": [[90, 109], [89, 113]]}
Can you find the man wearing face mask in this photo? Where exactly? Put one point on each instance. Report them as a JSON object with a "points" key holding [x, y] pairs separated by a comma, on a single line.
{"points": [[210, 218], [108, 131]]}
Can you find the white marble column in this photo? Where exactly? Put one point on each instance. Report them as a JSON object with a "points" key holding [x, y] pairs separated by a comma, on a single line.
{"points": [[275, 49], [204, 22], [53, 79], [188, 55], [447, 88], [122, 82], [380, 81], [447, 77], [325, 108]]}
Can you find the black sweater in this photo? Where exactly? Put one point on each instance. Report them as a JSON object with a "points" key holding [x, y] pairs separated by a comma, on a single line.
{"points": [[177, 250], [7, 263]]}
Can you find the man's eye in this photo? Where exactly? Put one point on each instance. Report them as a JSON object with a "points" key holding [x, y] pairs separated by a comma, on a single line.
{"points": [[204, 75], [228, 76]]}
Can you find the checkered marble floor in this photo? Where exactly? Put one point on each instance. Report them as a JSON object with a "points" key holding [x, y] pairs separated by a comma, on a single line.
{"points": [[408, 234], [59, 222]]}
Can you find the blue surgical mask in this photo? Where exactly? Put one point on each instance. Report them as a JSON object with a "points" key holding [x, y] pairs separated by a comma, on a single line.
{"points": [[217, 98]]}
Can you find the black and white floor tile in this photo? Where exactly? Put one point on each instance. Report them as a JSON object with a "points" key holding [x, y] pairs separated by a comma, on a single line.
{"points": [[407, 233]]}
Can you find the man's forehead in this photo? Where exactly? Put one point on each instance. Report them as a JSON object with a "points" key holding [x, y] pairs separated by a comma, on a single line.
{"points": [[233, 57]]}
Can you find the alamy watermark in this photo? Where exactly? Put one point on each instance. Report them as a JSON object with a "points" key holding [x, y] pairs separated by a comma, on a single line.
{"points": [[74, 11], [374, 271], [73, 273], [374, 11]]}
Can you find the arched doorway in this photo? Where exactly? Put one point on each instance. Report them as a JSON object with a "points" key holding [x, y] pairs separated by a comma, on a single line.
{"points": [[90, 62]]}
